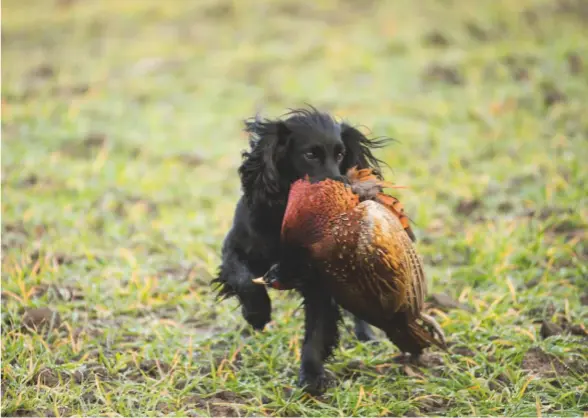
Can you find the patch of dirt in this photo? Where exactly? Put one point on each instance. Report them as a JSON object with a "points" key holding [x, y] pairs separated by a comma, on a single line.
{"points": [[72, 90], [430, 360], [547, 310], [569, 328], [181, 384], [40, 319], [43, 71], [55, 292], [546, 212], [552, 95], [62, 411], [155, 368], [55, 258], [121, 203], [584, 299], [569, 229], [499, 382], [575, 64], [87, 147], [225, 403], [95, 140], [411, 371], [219, 10], [412, 367], [542, 364], [164, 408], [533, 282], [549, 329], [468, 206], [579, 330], [89, 371], [194, 400], [574, 8], [90, 398], [443, 73], [462, 351], [446, 302], [433, 405], [354, 369], [436, 38], [15, 235], [50, 377], [477, 32], [519, 65], [191, 159], [23, 412], [505, 207], [29, 181]]}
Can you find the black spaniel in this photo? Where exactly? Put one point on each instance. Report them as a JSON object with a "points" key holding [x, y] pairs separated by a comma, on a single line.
{"points": [[305, 142]]}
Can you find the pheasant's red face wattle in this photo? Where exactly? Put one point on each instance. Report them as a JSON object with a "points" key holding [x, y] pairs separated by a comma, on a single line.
{"points": [[310, 208]]}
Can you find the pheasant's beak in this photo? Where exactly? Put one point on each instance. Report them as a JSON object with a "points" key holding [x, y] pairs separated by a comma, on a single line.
{"points": [[259, 280], [274, 284]]}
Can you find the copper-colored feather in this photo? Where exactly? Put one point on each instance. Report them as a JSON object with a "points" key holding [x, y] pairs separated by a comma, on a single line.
{"points": [[372, 187], [360, 239]]}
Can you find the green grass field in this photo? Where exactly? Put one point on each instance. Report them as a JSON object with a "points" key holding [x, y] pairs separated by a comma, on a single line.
{"points": [[121, 136]]}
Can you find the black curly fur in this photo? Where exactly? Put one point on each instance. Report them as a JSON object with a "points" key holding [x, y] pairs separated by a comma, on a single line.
{"points": [[276, 159]]}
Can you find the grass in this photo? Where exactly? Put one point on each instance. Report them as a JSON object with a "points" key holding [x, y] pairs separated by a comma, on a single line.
{"points": [[121, 136]]}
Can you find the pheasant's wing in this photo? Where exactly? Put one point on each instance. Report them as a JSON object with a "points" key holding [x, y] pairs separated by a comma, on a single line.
{"points": [[389, 254]]}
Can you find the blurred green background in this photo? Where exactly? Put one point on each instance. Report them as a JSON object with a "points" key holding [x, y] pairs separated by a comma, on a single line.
{"points": [[121, 136]]}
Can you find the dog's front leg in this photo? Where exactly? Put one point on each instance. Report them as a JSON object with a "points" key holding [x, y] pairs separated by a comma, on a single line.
{"points": [[236, 280], [320, 338]]}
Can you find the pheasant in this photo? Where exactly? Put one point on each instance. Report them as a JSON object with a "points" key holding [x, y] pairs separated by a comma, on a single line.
{"points": [[358, 243]]}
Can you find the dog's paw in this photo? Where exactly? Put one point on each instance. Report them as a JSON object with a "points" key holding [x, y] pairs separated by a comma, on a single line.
{"points": [[256, 318], [256, 306], [315, 384], [364, 333]]}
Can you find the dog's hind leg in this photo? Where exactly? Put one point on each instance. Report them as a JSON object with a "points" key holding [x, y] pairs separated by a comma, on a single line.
{"points": [[363, 331]]}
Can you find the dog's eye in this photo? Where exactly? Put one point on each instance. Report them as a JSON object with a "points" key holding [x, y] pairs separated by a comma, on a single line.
{"points": [[339, 157], [311, 155]]}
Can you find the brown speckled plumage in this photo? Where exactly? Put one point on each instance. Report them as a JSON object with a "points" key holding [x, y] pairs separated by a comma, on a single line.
{"points": [[360, 240]]}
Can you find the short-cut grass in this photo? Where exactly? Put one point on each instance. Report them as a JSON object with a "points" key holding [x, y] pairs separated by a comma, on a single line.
{"points": [[121, 136]]}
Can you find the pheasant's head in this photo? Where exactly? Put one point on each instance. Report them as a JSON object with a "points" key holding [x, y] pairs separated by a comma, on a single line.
{"points": [[311, 206], [273, 278]]}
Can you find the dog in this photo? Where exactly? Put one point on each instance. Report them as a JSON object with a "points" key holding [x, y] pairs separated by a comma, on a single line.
{"points": [[303, 142]]}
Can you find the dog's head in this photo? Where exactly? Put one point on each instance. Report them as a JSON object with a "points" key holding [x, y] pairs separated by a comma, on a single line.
{"points": [[305, 142]]}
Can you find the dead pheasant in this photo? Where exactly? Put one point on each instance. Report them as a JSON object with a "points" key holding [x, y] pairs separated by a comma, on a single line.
{"points": [[358, 242]]}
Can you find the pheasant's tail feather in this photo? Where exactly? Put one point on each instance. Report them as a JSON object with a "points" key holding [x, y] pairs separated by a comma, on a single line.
{"points": [[435, 331], [417, 338], [413, 337]]}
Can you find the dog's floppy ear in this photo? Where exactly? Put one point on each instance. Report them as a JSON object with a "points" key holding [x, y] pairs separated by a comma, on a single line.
{"points": [[358, 149], [260, 178]]}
